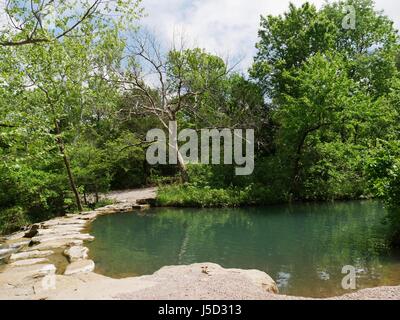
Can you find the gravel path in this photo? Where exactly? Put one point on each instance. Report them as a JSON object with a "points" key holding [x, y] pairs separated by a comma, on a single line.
{"points": [[132, 195]]}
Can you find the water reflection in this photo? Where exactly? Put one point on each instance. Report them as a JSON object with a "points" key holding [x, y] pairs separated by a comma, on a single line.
{"points": [[303, 247]]}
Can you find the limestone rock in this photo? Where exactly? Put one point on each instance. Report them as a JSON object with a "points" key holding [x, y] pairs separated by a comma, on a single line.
{"points": [[25, 281], [50, 245], [259, 278], [64, 221], [28, 262], [6, 252], [16, 236], [56, 237], [23, 273], [30, 255], [63, 229], [76, 253], [81, 266]]}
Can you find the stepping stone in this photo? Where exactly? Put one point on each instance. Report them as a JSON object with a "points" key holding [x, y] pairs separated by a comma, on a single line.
{"points": [[50, 245], [62, 228], [28, 262], [81, 266], [48, 238], [30, 255], [60, 232], [60, 222], [76, 253], [6, 252], [16, 236], [23, 272]]}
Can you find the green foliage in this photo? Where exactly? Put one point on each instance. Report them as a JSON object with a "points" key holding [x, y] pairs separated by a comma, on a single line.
{"points": [[12, 219], [384, 172]]}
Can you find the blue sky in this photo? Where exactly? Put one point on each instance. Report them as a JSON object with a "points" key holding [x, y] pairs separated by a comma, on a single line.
{"points": [[225, 27]]}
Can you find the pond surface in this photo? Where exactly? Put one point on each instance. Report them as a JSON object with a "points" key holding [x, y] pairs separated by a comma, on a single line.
{"points": [[303, 247]]}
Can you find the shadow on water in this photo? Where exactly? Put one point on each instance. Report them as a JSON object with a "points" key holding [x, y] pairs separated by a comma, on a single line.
{"points": [[302, 246]]}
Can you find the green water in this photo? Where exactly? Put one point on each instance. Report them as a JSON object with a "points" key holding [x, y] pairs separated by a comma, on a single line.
{"points": [[303, 247]]}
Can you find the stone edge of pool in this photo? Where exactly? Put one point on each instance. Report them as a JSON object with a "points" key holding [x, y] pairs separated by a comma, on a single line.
{"points": [[50, 261]]}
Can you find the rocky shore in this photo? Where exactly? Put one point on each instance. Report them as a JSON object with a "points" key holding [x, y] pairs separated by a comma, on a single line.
{"points": [[50, 261]]}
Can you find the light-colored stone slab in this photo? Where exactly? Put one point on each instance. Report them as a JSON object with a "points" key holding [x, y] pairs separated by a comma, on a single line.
{"points": [[23, 272], [28, 262], [56, 244], [16, 236], [56, 237], [65, 221], [76, 253], [30, 255], [81, 266]]}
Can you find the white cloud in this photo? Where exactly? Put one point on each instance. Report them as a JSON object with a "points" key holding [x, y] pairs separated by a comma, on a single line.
{"points": [[225, 27]]}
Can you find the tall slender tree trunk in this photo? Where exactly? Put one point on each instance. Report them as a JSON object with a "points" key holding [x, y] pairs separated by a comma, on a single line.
{"points": [[180, 161], [61, 147], [182, 168]]}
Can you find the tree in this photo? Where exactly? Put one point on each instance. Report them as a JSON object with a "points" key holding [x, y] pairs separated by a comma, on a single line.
{"points": [[286, 42], [62, 77], [39, 22], [325, 86], [183, 77]]}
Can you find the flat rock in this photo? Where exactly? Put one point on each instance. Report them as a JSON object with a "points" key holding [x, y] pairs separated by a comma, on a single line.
{"points": [[30, 255], [61, 229], [28, 262], [201, 281], [61, 232], [21, 273], [7, 249], [81, 266], [18, 244], [50, 245], [26, 281], [6, 252], [16, 236], [87, 213], [76, 253], [56, 237], [65, 221]]}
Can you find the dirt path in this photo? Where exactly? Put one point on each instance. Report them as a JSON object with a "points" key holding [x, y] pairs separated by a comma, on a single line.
{"points": [[132, 195]]}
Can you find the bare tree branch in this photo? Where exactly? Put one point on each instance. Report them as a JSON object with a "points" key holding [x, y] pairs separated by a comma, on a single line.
{"points": [[32, 38]]}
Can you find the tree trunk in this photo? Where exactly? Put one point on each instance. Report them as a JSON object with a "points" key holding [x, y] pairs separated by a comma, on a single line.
{"points": [[61, 147], [295, 188], [182, 168], [296, 166]]}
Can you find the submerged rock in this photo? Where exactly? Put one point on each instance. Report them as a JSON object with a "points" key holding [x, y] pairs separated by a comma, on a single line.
{"points": [[81, 266]]}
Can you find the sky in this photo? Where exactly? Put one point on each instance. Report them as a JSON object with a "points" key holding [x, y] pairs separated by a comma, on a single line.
{"points": [[225, 27]]}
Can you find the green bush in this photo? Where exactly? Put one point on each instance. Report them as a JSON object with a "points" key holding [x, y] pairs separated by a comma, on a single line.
{"points": [[12, 219]]}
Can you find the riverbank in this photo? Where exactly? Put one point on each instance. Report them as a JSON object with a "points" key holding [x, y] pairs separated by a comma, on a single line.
{"points": [[51, 262]]}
